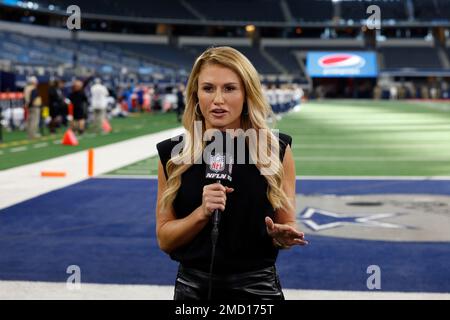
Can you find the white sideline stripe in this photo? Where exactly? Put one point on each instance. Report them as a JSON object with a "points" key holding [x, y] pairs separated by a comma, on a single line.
{"points": [[24, 182], [126, 176], [366, 146], [420, 178], [25, 290], [370, 159], [413, 178]]}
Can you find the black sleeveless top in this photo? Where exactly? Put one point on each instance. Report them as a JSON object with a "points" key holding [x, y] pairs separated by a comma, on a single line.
{"points": [[243, 244]]}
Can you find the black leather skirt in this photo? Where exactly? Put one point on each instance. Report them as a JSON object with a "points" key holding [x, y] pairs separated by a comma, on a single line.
{"points": [[193, 284]]}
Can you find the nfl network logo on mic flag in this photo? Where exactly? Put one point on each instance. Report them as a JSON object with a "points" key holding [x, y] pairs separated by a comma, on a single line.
{"points": [[217, 163], [218, 168]]}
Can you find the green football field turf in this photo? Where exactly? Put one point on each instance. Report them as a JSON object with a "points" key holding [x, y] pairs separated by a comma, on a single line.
{"points": [[361, 138], [17, 150]]}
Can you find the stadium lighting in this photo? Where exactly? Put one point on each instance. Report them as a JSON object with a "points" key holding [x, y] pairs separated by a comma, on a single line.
{"points": [[250, 28]]}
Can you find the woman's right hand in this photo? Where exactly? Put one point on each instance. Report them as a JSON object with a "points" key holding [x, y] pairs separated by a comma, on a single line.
{"points": [[214, 197]]}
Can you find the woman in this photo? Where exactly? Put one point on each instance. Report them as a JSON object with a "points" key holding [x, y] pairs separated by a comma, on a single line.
{"points": [[258, 215]]}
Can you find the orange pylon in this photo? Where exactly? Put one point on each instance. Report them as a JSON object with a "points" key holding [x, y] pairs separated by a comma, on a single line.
{"points": [[69, 138]]}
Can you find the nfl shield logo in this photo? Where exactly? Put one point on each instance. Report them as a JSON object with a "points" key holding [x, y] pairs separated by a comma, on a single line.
{"points": [[217, 163]]}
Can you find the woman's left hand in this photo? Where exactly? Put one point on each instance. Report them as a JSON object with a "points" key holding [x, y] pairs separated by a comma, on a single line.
{"points": [[284, 235]]}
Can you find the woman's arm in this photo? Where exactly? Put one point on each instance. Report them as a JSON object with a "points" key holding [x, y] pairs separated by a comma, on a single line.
{"points": [[173, 233], [283, 229]]}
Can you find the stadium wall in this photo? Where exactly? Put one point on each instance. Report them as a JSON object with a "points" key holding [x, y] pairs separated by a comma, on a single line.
{"points": [[276, 42], [186, 40]]}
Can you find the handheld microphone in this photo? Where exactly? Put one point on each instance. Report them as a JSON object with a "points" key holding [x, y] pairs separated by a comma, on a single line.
{"points": [[219, 167]]}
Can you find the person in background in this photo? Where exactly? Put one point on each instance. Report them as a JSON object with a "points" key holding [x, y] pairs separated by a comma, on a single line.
{"points": [[99, 103], [56, 104], [33, 104], [79, 101]]}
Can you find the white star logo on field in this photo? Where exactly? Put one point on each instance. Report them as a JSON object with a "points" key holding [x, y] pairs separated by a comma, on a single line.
{"points": [[319, 220]]}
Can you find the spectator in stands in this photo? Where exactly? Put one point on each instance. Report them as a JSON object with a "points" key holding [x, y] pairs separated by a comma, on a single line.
{"points": [[56, 104], [33, 104], [224, 92], [80, 102], [99, 103]]}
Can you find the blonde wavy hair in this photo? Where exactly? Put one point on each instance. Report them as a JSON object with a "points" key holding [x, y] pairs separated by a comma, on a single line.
{"points": [[258, 112]]}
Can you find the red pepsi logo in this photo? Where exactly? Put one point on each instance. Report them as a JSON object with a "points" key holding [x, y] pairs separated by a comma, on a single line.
{"points": [[342, 60]]}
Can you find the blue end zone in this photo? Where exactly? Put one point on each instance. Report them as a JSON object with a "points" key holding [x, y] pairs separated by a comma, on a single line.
{"points": [[360, 187], [107, 228]]}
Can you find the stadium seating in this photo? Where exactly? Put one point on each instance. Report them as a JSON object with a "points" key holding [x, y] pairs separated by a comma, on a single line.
{"points": [[27, 50], [261, 10], [168, 9], [237, 10], [253, 54], [285, 56], [389, 10], [319, 10], [431, 10], [161, 53]]}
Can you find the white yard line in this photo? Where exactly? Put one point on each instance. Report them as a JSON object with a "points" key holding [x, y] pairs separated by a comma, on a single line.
{"points": [[24, 182], [25, 290], [18, 149], [40, 145]]}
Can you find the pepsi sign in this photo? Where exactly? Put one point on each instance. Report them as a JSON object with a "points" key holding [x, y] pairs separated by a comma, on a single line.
{"points": [[341, 64]]}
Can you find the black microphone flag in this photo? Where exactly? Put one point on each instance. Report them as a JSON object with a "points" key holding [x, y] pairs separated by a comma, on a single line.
{"points": [[219, 164]]}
